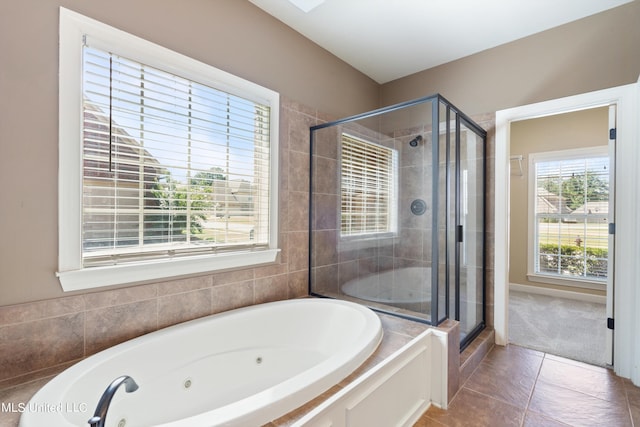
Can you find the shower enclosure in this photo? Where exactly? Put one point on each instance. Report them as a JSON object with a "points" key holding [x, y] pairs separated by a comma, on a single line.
{"points": [[397, 212]]}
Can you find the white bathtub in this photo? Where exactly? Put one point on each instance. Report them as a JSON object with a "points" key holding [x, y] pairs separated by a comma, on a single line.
{"points": [[245, 367], [405, 286]]}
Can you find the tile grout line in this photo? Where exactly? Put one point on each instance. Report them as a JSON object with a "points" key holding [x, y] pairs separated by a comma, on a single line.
{"points": [[533, 389]]}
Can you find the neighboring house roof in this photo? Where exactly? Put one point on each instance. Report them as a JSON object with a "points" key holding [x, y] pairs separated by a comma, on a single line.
{"points": [[551, 203], [127, 150], [592, 208]]}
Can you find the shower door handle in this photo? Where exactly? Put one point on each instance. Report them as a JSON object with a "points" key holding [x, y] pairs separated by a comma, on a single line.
{"points": [[459, 234]]}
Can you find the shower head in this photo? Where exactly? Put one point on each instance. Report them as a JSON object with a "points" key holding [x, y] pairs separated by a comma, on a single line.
{"points": [[415, 141]]}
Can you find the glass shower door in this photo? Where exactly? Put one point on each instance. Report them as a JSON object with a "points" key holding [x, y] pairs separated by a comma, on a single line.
{"points": [[470, 230], [461, 240]]}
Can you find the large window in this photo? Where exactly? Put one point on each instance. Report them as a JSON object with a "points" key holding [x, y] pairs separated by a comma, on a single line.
{"points": [[368, 174], [570, 200], [175, 163]]}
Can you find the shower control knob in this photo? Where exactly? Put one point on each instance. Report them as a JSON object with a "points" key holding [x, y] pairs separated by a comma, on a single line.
{"points": [[418, 207]]}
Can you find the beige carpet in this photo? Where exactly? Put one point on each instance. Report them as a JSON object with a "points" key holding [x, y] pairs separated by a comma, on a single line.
{"points": [[559, 326]]}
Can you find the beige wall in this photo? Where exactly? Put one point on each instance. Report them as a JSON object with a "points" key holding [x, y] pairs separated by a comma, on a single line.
{"points": [[587, 128], [232, 35], [593, 53]]}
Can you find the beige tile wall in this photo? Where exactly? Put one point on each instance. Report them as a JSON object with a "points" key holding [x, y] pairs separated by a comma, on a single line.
{"points": [[42, 337]]}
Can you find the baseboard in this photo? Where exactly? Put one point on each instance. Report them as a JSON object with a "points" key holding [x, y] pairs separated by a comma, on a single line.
{"points": [[558, 293]]}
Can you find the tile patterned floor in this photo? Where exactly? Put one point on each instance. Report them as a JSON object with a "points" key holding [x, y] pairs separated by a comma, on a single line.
{"points": [[515, 386]]}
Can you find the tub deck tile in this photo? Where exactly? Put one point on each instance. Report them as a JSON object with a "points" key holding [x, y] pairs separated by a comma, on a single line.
{"points": [[396, 333]]}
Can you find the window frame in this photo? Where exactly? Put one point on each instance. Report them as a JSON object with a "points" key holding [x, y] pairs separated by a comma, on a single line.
{"points": [[393, 196], [532, 253], [73, 276]]}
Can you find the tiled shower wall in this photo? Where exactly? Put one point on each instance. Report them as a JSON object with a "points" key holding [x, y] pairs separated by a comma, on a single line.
{"points": [[335, 262], [347, 260], [40, 338]]}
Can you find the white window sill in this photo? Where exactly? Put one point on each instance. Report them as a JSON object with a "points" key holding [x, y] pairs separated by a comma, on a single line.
{"points": [[576, 283], [88, 278]]}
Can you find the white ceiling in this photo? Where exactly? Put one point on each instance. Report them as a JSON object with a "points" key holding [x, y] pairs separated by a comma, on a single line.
{"points": [[390, 39]]}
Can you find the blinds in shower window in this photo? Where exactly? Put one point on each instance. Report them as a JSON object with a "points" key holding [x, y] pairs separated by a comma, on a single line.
{"points": [[171, 167], [367, 187]]}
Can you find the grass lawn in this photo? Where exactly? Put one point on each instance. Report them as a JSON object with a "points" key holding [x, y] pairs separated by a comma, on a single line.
{"points": [[594, 235]]}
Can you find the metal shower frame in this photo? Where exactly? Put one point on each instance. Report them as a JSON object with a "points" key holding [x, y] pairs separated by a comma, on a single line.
{"points": [[461, 118]]}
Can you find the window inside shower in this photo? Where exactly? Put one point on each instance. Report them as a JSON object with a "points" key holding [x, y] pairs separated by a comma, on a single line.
{"points": [[368, 188], [390, 227]]}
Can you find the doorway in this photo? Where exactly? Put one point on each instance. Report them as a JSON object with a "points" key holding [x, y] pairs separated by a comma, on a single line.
{"points": [[561, 180], [627, 322]]}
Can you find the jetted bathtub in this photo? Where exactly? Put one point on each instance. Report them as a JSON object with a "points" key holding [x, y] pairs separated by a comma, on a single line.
{"points": [[244, 367]]}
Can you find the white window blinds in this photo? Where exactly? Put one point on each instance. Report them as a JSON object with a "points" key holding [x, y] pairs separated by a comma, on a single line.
{"points": [[571, 215], [170, 167], [367, 181]]}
